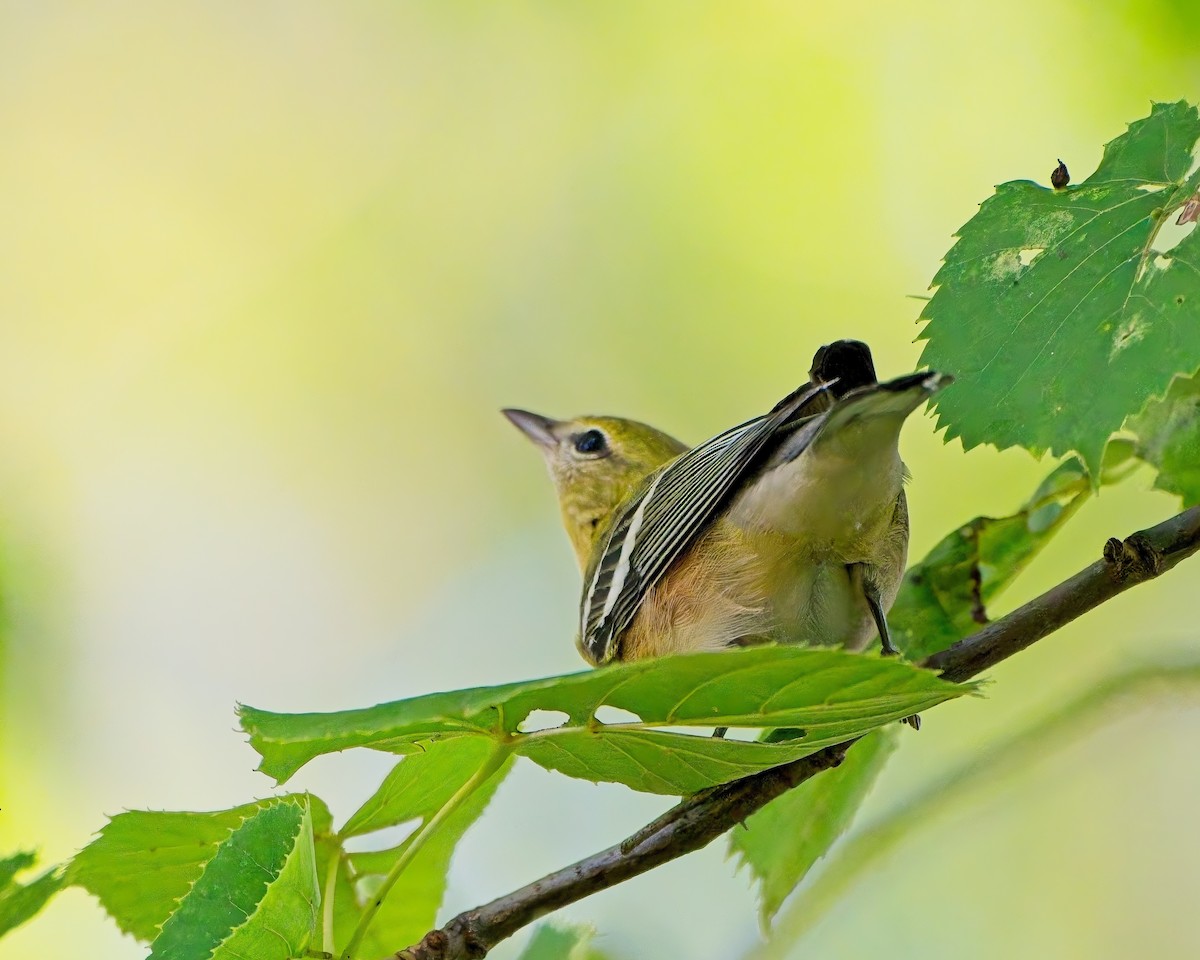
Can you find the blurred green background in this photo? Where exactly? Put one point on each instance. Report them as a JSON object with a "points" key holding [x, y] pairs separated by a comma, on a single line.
{"points": [[269, 270]]}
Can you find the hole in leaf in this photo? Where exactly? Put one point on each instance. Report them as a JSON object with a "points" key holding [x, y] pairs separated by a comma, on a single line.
{"points": [[1151, 187], [701, 733], [1029, 254], [784, 734], [1195, 162], [743, 733], [542, 720], [609, 714], [1171, 234]]}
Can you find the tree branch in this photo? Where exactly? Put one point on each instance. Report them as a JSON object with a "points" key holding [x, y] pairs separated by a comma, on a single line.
{"points": [[698, 820], [1127, 563]]}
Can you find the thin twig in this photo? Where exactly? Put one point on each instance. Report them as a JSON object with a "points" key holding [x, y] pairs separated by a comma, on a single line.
{"points": [[1127, 563], [693, 823]]}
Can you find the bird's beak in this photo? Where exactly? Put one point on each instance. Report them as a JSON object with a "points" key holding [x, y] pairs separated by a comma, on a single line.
{"points": [[537, 428]]}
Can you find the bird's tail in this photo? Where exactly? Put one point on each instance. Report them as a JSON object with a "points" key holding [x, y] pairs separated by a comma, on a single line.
{"points": [[868, 416], [893, 398]]}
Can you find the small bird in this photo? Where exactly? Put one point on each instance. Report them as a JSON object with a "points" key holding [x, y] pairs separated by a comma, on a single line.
{"points": [[789, 528]]}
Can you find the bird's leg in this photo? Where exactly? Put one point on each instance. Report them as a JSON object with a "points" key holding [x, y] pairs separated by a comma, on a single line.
{"points": [[871, 594], [881, 624]]}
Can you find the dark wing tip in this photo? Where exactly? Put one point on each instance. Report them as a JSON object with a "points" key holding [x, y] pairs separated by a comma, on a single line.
{"points": [[591, 648]]}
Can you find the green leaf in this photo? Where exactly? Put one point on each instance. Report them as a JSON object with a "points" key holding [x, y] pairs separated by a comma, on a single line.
{"points": [[11, 865], [410, 910], [781, 842], [1062, 311], [257, 896], [144, 861], [554, 942], [944, 597], [833, 695], [340, 907], [21, 901], [1168, 432], [420, 785]]}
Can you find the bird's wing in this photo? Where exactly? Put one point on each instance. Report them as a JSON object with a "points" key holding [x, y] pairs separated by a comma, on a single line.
{"points": [[666, 515]]}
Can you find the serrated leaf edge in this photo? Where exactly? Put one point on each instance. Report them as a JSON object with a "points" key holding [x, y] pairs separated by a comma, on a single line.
{"points": [[263, 804]]}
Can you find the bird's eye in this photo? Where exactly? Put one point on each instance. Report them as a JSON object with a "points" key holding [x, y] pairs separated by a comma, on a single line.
{"points": [[590, 441]]}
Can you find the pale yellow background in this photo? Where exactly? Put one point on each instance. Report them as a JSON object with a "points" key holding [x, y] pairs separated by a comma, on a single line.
{"points": [[267, 272]]}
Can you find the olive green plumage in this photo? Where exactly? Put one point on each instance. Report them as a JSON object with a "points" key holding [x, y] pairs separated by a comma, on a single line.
{"points": [[792, 527]]}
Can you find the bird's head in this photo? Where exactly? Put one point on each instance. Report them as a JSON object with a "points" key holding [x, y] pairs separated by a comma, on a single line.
{"points": [[596, 463]]}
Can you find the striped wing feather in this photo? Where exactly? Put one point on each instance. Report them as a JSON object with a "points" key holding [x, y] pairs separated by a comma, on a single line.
{"points": [[669, 512]]}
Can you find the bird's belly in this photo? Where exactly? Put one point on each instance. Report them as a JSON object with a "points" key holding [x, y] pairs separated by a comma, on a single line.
{"points": [[712, 598], [732, 589], [815, 603]]}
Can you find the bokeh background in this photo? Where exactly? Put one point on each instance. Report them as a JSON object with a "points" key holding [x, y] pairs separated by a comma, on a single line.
{"points": [[267, 273]]}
